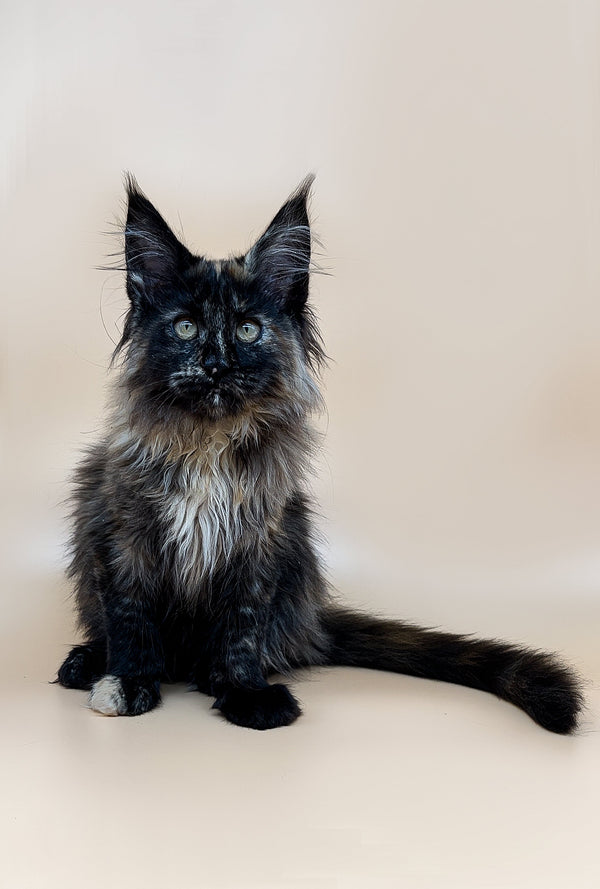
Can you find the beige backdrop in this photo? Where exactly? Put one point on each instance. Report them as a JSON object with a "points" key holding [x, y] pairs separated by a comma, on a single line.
{"points": [[456, 147]]}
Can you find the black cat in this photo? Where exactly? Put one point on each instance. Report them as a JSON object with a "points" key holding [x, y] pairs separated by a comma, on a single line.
{"points": [[192, 550]]}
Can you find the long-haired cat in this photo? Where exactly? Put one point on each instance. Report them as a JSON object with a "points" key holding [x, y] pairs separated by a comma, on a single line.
{"points": [[192, 549]]}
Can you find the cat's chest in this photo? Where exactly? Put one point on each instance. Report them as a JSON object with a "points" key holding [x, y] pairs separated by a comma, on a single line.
{"points": [[206, 497], [214, 502]]}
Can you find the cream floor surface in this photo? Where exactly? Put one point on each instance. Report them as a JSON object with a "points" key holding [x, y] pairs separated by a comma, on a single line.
{"points": [[385, 781]]}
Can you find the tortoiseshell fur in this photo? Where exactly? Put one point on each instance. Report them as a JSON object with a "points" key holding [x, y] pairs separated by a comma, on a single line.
{"points": [[192, 549]]}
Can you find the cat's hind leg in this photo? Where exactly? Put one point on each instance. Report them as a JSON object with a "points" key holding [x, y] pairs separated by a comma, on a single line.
{"points": [[83, 666]]}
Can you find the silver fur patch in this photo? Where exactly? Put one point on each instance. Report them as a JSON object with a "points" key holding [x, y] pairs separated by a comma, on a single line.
{"points": [[203, 516], [212, 506], [107, 697]]}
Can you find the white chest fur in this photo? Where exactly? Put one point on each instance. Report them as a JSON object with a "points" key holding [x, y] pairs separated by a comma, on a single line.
{"points": [[212, 501], [206, 511]]}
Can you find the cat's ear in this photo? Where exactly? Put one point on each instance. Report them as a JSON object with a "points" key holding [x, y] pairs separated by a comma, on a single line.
{"points": [[280, 259], [152, 252]]}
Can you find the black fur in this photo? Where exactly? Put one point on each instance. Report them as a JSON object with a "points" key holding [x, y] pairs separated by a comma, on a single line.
{"points": [[193, 556]]}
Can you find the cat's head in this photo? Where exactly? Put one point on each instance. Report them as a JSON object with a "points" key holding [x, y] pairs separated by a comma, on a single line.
{"points": [[219, 338]]}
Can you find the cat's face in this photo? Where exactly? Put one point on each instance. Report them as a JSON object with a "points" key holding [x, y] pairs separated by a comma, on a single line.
{"points": [[217, 339]]}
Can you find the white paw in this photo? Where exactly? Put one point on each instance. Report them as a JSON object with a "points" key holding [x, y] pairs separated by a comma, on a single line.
{"points": [[107, 697]]}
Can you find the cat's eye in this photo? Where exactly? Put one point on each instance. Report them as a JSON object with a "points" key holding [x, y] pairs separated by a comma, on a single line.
{"points": [[185, 328], [248, 331]]}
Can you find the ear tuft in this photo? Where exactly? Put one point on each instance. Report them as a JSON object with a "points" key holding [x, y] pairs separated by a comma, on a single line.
{"points": [[152, 252], [280, 259]]}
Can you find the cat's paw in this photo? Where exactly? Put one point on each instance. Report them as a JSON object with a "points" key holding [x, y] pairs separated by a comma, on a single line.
{"points": [[82, 666], [107, 697], [259, 708], [117, 696]]}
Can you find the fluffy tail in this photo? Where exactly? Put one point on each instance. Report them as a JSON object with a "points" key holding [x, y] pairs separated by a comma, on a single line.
{"points": [[535, 681]]}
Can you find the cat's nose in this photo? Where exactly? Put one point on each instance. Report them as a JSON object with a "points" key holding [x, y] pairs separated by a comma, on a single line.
{"points": [[215, 365]]}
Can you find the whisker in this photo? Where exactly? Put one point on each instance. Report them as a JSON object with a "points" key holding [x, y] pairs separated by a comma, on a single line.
{"points": [[102, 315]]}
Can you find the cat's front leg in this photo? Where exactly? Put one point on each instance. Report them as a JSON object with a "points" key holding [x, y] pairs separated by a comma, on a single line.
{"points": [[271, 706], [135, 661], [236, 676]]}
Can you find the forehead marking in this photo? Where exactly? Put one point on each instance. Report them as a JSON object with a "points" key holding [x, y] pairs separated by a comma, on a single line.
{"points": [[218, 324], [236, 269]]}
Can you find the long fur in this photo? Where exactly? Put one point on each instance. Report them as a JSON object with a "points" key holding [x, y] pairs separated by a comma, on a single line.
{"points": [[192, 549]]}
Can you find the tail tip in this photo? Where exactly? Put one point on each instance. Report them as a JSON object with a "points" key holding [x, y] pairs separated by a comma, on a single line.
{"points": [[548, 691]]}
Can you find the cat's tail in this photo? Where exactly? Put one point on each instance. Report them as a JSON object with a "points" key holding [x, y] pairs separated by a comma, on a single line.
{"points": [[535, 681]]}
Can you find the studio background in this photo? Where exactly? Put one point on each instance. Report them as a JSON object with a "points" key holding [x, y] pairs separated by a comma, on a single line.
{"points": [[457, 198]]}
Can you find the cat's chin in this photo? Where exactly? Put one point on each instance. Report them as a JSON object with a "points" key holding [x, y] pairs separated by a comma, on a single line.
{"points": [[216, 407], [213, 406]]}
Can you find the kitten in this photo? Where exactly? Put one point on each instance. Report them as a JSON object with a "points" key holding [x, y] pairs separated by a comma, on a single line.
{"points": [[192, 550]]}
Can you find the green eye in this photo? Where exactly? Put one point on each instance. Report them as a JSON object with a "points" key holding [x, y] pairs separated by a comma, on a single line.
{"points": [[185, 328], [248, 331]]}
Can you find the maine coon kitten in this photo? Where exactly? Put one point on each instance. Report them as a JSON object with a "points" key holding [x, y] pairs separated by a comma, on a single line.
{"points": [[192, 551]]}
